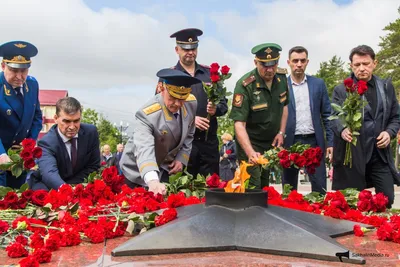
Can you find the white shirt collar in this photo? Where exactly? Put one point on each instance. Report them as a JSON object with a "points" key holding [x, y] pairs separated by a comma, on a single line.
{"points": [[63, 137], [302, 82]]}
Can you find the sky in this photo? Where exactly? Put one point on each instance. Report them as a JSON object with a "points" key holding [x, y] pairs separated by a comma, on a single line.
{"points": [[106, 52]]}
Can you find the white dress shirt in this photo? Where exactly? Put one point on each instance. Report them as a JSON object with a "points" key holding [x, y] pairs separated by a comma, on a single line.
{"points": [[67, 143], [304, 124]]}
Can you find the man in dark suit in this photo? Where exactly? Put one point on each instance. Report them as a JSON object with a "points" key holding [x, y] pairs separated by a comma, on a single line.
{"points": [[70, 149], [372, 160], [308, 117], [20, 115], [118, 155], [107, 157]]}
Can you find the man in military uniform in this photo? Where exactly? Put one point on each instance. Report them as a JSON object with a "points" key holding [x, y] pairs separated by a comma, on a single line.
{"points": [[204, 158], [163, 134], [20, 115], [259, 109]]}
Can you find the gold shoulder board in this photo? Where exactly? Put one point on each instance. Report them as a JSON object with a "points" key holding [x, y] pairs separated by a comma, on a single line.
{"points": [[282, 71], [249, 80], [151, 109], [191, 98]]}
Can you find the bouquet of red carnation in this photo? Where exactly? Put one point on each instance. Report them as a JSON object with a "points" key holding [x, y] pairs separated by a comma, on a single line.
{"points": [[22, 157], [350, 113], [216, 91], [214, 181]]}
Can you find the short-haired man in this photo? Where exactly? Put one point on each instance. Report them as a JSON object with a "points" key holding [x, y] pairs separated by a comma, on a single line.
{"points": [[372, 164], [308, 114], [20, 114], [163, 134], [70, 149]]}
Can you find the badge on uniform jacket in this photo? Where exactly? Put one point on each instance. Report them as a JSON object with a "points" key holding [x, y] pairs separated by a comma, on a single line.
{"points": [[238, 100]]}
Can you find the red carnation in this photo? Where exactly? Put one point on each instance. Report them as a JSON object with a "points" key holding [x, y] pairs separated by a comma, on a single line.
{"points": [[16, 250], [22, 240], [357, 230], [214, 78], [176, 200], [214, 68], [222, 184], [228, 152], [4, 226], [26, 154], [361, 87], [103, 163], [28, 144], [167, 216], [37, 152], [11, 199], [300, 161], [42, 255], [213, 181], [39, 197], [225, 70], [29, 262], [29, 163]]}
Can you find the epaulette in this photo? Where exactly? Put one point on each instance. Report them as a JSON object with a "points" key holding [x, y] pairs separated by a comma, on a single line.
{"points": [[191, 98], [282, 71], [249, 80], [204, 66], [152, 108]]}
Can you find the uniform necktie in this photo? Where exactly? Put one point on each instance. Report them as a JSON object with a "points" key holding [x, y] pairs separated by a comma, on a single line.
{"points": [[74, 153], [19, 95], [176, 115]]}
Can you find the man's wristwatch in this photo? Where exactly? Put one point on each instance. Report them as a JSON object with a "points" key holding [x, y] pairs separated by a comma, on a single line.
{"points": [[282, 133]]}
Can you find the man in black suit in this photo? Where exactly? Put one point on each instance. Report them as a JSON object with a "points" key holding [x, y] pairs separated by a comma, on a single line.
{"points": [[70, 149], [118, 155], [372, 157]]}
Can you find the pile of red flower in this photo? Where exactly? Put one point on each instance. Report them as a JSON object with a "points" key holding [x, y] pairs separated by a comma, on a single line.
{"points": [[300, 156], [349, 204], [70, 215]]}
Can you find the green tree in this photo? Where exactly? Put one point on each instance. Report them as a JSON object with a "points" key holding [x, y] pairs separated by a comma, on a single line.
{"points": [[225, 124], [90, 116], [333, 72], [389, 55], [108, 133]]}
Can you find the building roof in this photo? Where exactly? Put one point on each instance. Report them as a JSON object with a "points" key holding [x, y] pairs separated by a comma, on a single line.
{"points": [[50, 97]]}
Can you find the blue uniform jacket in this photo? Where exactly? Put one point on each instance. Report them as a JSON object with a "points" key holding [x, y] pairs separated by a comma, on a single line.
{"points": [[18, 122]]}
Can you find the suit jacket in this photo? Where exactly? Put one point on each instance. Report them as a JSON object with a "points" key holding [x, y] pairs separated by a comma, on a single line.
{"points": [[112, 161], [157, 139], [386, 118], [320, 111], [55, 165], [231, 159], [19, 121]]}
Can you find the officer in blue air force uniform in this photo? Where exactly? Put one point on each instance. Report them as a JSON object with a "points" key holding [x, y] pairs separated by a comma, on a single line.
{"points": [[20, 114], [163, 134]]}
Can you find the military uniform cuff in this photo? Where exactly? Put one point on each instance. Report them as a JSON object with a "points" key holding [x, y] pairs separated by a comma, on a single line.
{"points": [[146, 167], [182, 157]]}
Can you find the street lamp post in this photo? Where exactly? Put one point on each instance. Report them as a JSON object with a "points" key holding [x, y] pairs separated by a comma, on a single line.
{"points": [[122, 128]]}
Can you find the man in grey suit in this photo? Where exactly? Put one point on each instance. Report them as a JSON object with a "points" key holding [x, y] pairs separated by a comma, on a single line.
{"points": [[163, 134]]}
